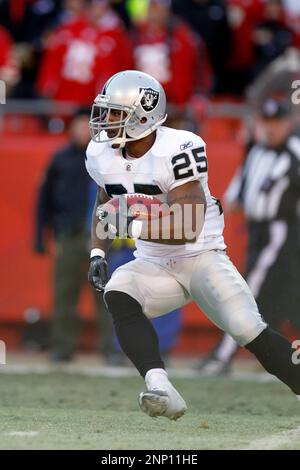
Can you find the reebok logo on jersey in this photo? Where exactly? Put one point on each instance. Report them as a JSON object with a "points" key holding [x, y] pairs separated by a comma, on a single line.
{"points": [[186, 145], [150, 99]]}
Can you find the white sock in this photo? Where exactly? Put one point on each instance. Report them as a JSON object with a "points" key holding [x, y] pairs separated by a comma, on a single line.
{"points": [[156, 378], [298, 396]]}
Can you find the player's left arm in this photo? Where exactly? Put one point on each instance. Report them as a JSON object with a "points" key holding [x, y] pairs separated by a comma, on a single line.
{"points": [[187, 204]]}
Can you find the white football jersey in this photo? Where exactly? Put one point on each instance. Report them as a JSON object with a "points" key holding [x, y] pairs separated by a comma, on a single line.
{"points": [[176, 157]]}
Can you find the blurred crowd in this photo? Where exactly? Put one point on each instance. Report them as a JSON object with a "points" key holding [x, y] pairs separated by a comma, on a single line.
{"points": [[66, 49]]}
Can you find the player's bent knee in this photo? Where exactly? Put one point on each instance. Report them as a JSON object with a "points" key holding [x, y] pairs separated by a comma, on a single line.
{"points": [[244, 324], [121, 305], [249, 335]]}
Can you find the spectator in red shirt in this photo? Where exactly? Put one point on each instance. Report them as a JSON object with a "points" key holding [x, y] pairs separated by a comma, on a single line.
{"points": [[9, 71], [168, 50], [82, 54]]}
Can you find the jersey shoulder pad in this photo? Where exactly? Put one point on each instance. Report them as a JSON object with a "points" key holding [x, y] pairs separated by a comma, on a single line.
{"points": [[96, 149], [95, 154], [184, 157], [174, 142]]}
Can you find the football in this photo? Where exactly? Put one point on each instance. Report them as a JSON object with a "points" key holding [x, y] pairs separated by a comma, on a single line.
{"points": [[140, 206]]}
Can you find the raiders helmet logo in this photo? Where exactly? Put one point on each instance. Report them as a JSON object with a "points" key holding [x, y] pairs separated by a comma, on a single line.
{"points": [[150, 99]]}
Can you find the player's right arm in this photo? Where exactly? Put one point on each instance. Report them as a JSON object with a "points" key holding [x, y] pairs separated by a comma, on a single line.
{"points": [[96, 242], [97, 275]]}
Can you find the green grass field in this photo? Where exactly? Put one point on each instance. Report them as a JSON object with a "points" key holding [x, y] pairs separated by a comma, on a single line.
{"points": [[70, 411]]}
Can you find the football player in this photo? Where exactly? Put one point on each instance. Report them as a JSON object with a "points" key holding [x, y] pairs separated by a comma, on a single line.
{"points": [[132, 152]]}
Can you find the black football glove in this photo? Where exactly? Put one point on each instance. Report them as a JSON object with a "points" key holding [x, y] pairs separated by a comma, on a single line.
{"points": [[97, 275]]}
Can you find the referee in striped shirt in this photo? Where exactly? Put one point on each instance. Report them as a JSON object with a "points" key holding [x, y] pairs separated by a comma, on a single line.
{"points": [[267, 187]]}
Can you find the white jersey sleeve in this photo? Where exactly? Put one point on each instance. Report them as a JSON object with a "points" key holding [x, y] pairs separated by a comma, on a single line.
{"points": [[187, 161]]}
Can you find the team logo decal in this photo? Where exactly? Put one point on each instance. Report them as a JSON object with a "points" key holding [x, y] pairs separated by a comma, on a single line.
{"points": [[150, 99]]}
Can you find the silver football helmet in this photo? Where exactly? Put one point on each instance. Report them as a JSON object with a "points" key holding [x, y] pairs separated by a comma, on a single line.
{"points": [[132, 105]]}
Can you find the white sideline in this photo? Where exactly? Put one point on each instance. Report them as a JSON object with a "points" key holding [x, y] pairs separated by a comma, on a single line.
{"points": [[23, 433], [91, 370], [275, 441], [105, 371]]}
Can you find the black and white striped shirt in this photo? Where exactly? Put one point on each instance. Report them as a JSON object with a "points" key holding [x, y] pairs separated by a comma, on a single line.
{"points": [[268, 184]]}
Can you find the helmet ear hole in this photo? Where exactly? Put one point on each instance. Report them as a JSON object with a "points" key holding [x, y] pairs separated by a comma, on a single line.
{"points": [[143, 120]]}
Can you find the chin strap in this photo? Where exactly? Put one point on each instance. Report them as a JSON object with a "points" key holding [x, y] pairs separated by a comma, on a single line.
{"points": [[119, 142]]}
